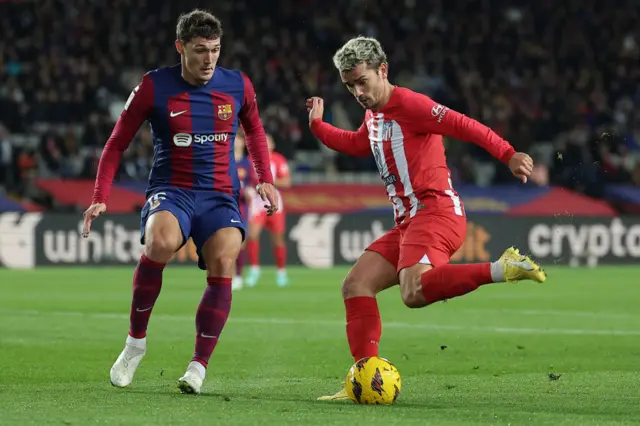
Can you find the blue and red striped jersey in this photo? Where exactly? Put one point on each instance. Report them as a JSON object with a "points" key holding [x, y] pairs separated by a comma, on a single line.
{"points": [[193, 130]]}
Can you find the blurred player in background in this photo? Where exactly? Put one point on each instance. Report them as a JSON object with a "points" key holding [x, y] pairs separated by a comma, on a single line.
{"points": [[195, 109], [276, 224], [247, 194], [403, 130]]}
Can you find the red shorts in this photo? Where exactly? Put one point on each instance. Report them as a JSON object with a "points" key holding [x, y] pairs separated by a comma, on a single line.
{"points": [[275, 223], [428, 238]]}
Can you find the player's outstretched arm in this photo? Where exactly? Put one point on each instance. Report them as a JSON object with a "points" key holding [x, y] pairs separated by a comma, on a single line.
{"points": [[352, 143], [135, 112], [438, 119], [256, 141]]}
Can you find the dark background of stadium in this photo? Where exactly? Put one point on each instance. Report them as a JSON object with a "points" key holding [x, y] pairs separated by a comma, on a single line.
{"points": [[551, 77]]}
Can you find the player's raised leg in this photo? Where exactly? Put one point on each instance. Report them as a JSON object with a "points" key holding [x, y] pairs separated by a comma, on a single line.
{"points": [[219, 253], [256, 223], [277, 228], [426, 276], [374, 271], [423, 284], [162, 238]]}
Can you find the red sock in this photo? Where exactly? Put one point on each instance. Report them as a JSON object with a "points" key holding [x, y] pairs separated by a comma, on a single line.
{"points": [[280, 253], [363, 326], [211, 317], [449, 281], [253, 251], [147, 282]]}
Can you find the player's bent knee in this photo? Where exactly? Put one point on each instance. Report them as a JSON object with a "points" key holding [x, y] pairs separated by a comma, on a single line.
{"points": [[162, 236], [349, 287], [221, 266], [411, 286], [355, 285], [412, 295], [221, 251], [371, 274], [160, 245], [160, 248]]}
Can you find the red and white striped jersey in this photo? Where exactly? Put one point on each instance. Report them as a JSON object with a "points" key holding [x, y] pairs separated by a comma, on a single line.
{"points": [[405, 137]]}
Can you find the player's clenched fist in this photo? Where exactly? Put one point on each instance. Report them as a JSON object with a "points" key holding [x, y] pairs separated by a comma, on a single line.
{"points": [[315, 106], [269, 194], [521, 166], [94, 210]]}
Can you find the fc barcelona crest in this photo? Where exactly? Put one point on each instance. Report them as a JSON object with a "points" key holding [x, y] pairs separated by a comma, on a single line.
{"points": [[225, 111]]}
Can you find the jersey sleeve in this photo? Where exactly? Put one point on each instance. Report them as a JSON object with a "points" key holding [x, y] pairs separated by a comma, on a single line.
{"points": [[432, 117], [348, 142], [256, 139], [136, 110]]}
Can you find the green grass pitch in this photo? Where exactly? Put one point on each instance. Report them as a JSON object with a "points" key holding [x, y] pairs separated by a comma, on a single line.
{"points": [[564, 352]]}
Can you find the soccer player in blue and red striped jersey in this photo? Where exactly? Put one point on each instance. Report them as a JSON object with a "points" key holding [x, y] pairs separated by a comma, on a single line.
{"points": [[195, 109]]}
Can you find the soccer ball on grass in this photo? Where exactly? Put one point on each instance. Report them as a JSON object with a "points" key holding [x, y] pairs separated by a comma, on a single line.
{"points": [[373, 380]]}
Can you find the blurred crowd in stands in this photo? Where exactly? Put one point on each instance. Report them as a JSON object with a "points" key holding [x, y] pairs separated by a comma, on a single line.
{"points": [[550, 77]]}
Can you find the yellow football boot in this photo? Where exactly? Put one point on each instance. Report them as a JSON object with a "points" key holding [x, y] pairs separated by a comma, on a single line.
{"points": [[518, 267], [340, 396]]}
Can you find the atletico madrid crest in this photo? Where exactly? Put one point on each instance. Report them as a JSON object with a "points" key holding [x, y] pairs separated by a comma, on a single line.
{"points": [[225, 111]]}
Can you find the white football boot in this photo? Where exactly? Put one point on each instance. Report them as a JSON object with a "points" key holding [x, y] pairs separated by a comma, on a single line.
{"points": [[192, 380], [125, 366], [253, 276], [282, 279], [237, 283]]}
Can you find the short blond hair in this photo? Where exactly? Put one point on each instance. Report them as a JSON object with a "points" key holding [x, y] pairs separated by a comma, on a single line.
{"points": [[359, 50]]}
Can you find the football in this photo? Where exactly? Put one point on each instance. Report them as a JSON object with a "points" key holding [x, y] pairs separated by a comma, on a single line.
{"points": [[373, 380]]}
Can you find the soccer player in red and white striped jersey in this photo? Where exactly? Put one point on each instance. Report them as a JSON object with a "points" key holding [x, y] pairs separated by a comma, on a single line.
{"points": [[403, 130]]}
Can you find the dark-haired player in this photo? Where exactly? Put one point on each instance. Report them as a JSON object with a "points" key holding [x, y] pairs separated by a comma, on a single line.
{"points": [[195, 109]]}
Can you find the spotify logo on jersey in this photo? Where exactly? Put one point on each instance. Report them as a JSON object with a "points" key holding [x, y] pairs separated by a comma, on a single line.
{"points": [[185, 139], [182, 139]]}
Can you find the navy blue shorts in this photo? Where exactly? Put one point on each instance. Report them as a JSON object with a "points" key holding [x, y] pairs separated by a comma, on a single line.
{"points": [[200, 213]]}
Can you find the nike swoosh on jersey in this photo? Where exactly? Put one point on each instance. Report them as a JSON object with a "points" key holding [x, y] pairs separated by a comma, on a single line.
{"points": [[175, 114]]}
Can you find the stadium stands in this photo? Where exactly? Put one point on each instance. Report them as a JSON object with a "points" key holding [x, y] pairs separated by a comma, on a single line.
{"points": [[551, 78]]}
